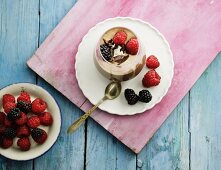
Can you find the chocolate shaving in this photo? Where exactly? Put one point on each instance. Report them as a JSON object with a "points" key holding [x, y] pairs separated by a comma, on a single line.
{"points": [[119, 59], [123, 48]]}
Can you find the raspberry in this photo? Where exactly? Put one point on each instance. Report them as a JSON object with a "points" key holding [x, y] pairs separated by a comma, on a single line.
{"points": [[6, 143], [22, 131], [14, 114], [22, 120], [46, 118], [10, 133], [152, 62], [38, 106], [8, 123], [120, 38], [24, 144], [1, 140], [132, 46], [2, 129], [2, 117], [131, 96], [8, 106], [151, 78], [39, 135], [33, 122], [24, 106], [145, 96], [8, 98], [24, 96], [106, 52]]}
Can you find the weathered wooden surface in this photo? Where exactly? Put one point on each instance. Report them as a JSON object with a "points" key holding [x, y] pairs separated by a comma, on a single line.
{"points": [[185, 38], [18, 40], [190, 137]]}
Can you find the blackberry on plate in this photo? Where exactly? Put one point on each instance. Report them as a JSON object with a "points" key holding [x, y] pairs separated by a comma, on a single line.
{"points": [[128, 92], [14, 114], [106, 52], [131, 96], [24, 106], [36, 133], [145, 96], [10, 133]]}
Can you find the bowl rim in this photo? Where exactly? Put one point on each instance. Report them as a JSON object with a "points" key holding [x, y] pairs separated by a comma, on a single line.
{"points": [[60, 122]]}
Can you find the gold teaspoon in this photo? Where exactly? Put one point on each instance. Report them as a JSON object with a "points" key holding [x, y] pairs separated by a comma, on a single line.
{"points": [[112, 91]]}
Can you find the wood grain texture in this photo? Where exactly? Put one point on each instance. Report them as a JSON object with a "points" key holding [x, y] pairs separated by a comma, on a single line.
{"points": [[68, 151], [18, 40], [169, 147], [183, 24], [205, 119], [105, 152]]}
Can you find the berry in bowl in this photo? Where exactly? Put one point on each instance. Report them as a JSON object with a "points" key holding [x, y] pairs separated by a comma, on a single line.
{"points": [[30, 121], [119, 54]]}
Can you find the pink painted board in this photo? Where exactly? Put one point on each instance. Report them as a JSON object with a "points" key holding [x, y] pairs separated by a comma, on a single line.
{"points": [[192, 29]]}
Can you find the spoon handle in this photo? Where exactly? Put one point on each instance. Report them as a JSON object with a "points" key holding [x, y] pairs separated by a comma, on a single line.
{"points": [[78, 122]]}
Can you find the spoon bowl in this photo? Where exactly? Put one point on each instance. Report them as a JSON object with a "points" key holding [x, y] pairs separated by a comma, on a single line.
{"points": [[113, 90]]}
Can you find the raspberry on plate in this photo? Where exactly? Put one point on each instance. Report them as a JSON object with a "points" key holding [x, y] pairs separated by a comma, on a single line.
{"points": [[152, 62], [38, 106], [2, 129], [132, 46], [6, 142], [120, 38], [33, 122], [8, 98], [8, 123], [22, 120], [1, 139], [39, 135], [46, 118], [151, 78], [24, 144], [24, 96], [2, 117], [8, 106], [22, 131]]}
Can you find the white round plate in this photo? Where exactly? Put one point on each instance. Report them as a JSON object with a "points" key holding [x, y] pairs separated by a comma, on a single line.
{"points": [[53, 131], [93, 84]]}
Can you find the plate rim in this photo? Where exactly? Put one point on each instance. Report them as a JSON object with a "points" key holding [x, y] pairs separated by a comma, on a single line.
{"points": [[60, 121], [133, 20]]}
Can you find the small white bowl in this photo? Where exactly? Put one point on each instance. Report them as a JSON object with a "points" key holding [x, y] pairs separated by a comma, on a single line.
{"points": [[53, 131]]}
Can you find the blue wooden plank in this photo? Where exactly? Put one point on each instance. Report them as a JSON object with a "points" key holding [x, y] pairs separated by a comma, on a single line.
{"points": [[169, 147], [18, 40], [105, 152], [205, 119], [68, 152]]}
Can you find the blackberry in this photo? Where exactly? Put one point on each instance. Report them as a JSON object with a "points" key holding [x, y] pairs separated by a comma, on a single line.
{"points": [[145, 96], [131, 96], [128, 92], [106, 52], [24, 106], [10, 133], [14, 114], [36, 133]]}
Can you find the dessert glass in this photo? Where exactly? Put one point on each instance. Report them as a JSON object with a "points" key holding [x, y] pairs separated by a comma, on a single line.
{"points": [[124, 66]]}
